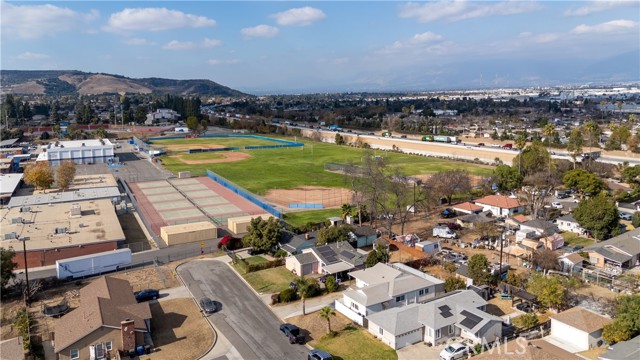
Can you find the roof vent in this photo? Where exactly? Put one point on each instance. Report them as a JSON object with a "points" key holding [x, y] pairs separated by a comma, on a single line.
{"points": [[76, 211], [25, 209], [16, 220], [10, 236], [60, 230]]}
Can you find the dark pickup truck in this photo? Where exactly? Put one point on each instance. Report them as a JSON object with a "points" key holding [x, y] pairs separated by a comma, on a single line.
{"points": [[293, 333]]}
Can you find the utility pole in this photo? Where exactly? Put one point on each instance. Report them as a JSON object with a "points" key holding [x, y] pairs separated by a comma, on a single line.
{"points": [[27, 298]]}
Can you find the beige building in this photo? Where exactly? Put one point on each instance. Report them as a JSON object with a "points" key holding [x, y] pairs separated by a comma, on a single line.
{"points": [[238, 225], [108, 320], [60, 231], [188, 233]]}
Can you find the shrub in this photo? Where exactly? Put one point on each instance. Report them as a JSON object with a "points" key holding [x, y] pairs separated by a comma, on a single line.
{"points": [[264, 265], [280, 254], [288, 295], [450, 267], [526, 321], [275, 298], [330, 284]]}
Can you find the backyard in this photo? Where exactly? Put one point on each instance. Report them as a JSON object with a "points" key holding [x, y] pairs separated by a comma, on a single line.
{"points": [[303, 217], [575, 240]]}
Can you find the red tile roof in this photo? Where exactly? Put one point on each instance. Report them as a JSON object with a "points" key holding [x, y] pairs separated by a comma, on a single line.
{"points": [[467, 206], [500, 201], [520, 218]]}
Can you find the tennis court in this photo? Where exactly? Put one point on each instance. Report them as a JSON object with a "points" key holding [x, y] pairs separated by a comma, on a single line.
{"points": [[179, 201]]}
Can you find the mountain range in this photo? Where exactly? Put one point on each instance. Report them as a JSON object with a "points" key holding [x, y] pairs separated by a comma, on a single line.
{"points": [[72, 82]]}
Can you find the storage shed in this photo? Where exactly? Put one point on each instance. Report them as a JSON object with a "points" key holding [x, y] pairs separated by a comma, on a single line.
{"points": [[187, 233], [238, 225]]}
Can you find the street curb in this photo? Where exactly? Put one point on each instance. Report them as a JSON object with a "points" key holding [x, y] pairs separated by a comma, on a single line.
{"points": [[215, 333]]}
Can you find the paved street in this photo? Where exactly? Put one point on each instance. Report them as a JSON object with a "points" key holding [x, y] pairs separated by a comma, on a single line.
{"points": [[245, 321]]}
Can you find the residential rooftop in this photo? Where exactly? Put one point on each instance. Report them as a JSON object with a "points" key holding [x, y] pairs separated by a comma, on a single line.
{"points": [[97, 223], [500, 201], [582, 319]]}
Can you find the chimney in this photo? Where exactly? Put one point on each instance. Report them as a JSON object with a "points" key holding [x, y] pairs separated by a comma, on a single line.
{"points": [[128, 332]]}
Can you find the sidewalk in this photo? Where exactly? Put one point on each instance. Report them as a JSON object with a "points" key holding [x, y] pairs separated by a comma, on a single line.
{"points": [[286, 311]]}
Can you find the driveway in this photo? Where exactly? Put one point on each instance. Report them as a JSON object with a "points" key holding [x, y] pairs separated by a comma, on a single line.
{"points": [[246, 326]]}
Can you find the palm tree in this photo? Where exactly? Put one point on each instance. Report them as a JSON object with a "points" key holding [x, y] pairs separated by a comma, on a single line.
{"points": [[346, 210], [521, 142], [592, 130], [548, 131], [303, 285], [326, 313]]}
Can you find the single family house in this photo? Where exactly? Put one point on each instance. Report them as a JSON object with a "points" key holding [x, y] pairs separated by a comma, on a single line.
{"points": [[334, 258], [577, 329], [294, 243], [109, 319], [500, 205], [617, 253], [569, 223], [362, 236], [455, 314], [384, 287], [467, 208]]}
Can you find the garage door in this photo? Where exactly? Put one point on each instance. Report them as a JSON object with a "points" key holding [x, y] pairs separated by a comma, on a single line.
{"points": [[409, 338], [307, 269]]}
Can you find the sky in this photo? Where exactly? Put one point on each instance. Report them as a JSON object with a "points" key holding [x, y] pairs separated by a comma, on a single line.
{"points": [[287, 46]]}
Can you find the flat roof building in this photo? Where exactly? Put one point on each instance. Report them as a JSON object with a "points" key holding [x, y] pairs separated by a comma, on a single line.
{"points": [[60, 231], [9, 183], [112, 193], [80, 151]]}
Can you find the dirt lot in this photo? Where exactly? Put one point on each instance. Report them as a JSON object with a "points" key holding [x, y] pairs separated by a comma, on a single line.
{"points": [[315, 327], [152, 277], [327, 196], [499, 307], [597, 292], [179, 330], [228, 157]]}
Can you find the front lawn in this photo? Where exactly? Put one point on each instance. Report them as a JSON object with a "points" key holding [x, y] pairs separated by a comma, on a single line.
{"points": [[575, 240], [269, 281], [315, 216], [355, 344], [255, 260]]}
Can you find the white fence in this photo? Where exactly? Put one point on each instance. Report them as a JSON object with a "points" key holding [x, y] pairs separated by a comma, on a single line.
{"points": [[344, 310]]}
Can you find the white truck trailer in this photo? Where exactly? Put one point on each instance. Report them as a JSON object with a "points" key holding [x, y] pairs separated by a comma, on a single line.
{"points": [[444, 232], [93, 264]]}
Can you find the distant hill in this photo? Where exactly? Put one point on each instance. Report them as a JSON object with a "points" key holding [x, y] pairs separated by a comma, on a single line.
{"points": [[62, 82]]}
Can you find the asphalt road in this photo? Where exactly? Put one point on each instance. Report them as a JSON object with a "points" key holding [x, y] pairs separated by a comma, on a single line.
{"points": [[244, 320]]}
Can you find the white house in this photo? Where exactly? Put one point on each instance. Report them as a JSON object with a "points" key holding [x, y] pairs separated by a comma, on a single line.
{"points": [[577, 329], [500, 205], [386, 286], [571, 262], [161, 114], [88, 151], [456, 314], [569, 223]]}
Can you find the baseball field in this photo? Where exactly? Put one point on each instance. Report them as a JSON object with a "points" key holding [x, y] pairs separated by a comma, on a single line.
{"points": [[260, 171]]}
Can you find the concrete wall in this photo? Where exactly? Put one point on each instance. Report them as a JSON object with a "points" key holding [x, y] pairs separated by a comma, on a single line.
{"points": [[37, 258], [578, 339], [344, 309], [238, 225]]}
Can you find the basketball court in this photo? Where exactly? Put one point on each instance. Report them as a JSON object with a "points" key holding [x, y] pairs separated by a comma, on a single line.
{"points": [[180, 201]]}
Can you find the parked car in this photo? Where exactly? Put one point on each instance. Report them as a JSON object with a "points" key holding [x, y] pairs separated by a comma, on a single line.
{"points": [[480, 144], [454, 351], [447, 213], [557, 205], [451, 225], [625, 216], [577, 248], [292, 332], [147, 294], [444, 232], [208, 306], [316, 354]]}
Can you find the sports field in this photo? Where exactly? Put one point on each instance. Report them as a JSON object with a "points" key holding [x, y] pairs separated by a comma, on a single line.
{"points": [[222, 141], [290, 168]]}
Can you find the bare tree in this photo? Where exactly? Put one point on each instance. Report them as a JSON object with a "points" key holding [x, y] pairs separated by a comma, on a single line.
{"points": [[402, 196], [451, 182], [537, 188], [545, 258]]}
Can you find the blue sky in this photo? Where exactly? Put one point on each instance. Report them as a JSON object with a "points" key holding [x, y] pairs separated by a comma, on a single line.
{"points": [[280, 46]]}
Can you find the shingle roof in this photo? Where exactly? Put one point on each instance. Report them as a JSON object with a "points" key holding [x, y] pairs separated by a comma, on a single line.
{"points": [[12, 349], [306, 258], [398, 320], [105, 302], [375, 275], [574, 258], [569, 218], [612, 255], [500, 201], [625, 350], [628, 242], [546, 226], [363, 231], [582, 319]]}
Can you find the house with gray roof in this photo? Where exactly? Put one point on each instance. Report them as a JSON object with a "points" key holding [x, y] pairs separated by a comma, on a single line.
{"points": [[456, 314], [569, 223], [294, 243], [362, 236], [331, 259], [618, 253], [624, 350], [384, 287]]}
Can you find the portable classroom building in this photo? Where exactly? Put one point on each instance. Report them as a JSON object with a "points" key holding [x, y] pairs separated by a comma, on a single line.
{"points": [[188, 233], [93, 264], [238, 225]]}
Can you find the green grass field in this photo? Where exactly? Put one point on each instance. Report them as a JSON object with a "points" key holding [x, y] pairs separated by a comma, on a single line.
{"points": [[355, 345], [288, 168], [271, 280], [303, 217], [228, 142], [574, 240]]}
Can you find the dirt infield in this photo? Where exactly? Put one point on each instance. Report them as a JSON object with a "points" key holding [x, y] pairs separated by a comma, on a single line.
{"points": [[228, 157], [327, 196]]}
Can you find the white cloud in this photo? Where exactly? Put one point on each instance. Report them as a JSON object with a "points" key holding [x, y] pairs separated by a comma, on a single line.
{"points": [[35, 21], [596, 6], [154, 19], [426, 37], [461, 9], [613, 26], [262, 31], [32, 56], [138, 42], [190, 45], [223, 62], [299, 16]]}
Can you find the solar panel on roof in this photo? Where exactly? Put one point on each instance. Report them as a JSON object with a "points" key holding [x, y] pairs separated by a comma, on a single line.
{"points": [[445, 311], [347, 254], [470, 320]]}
